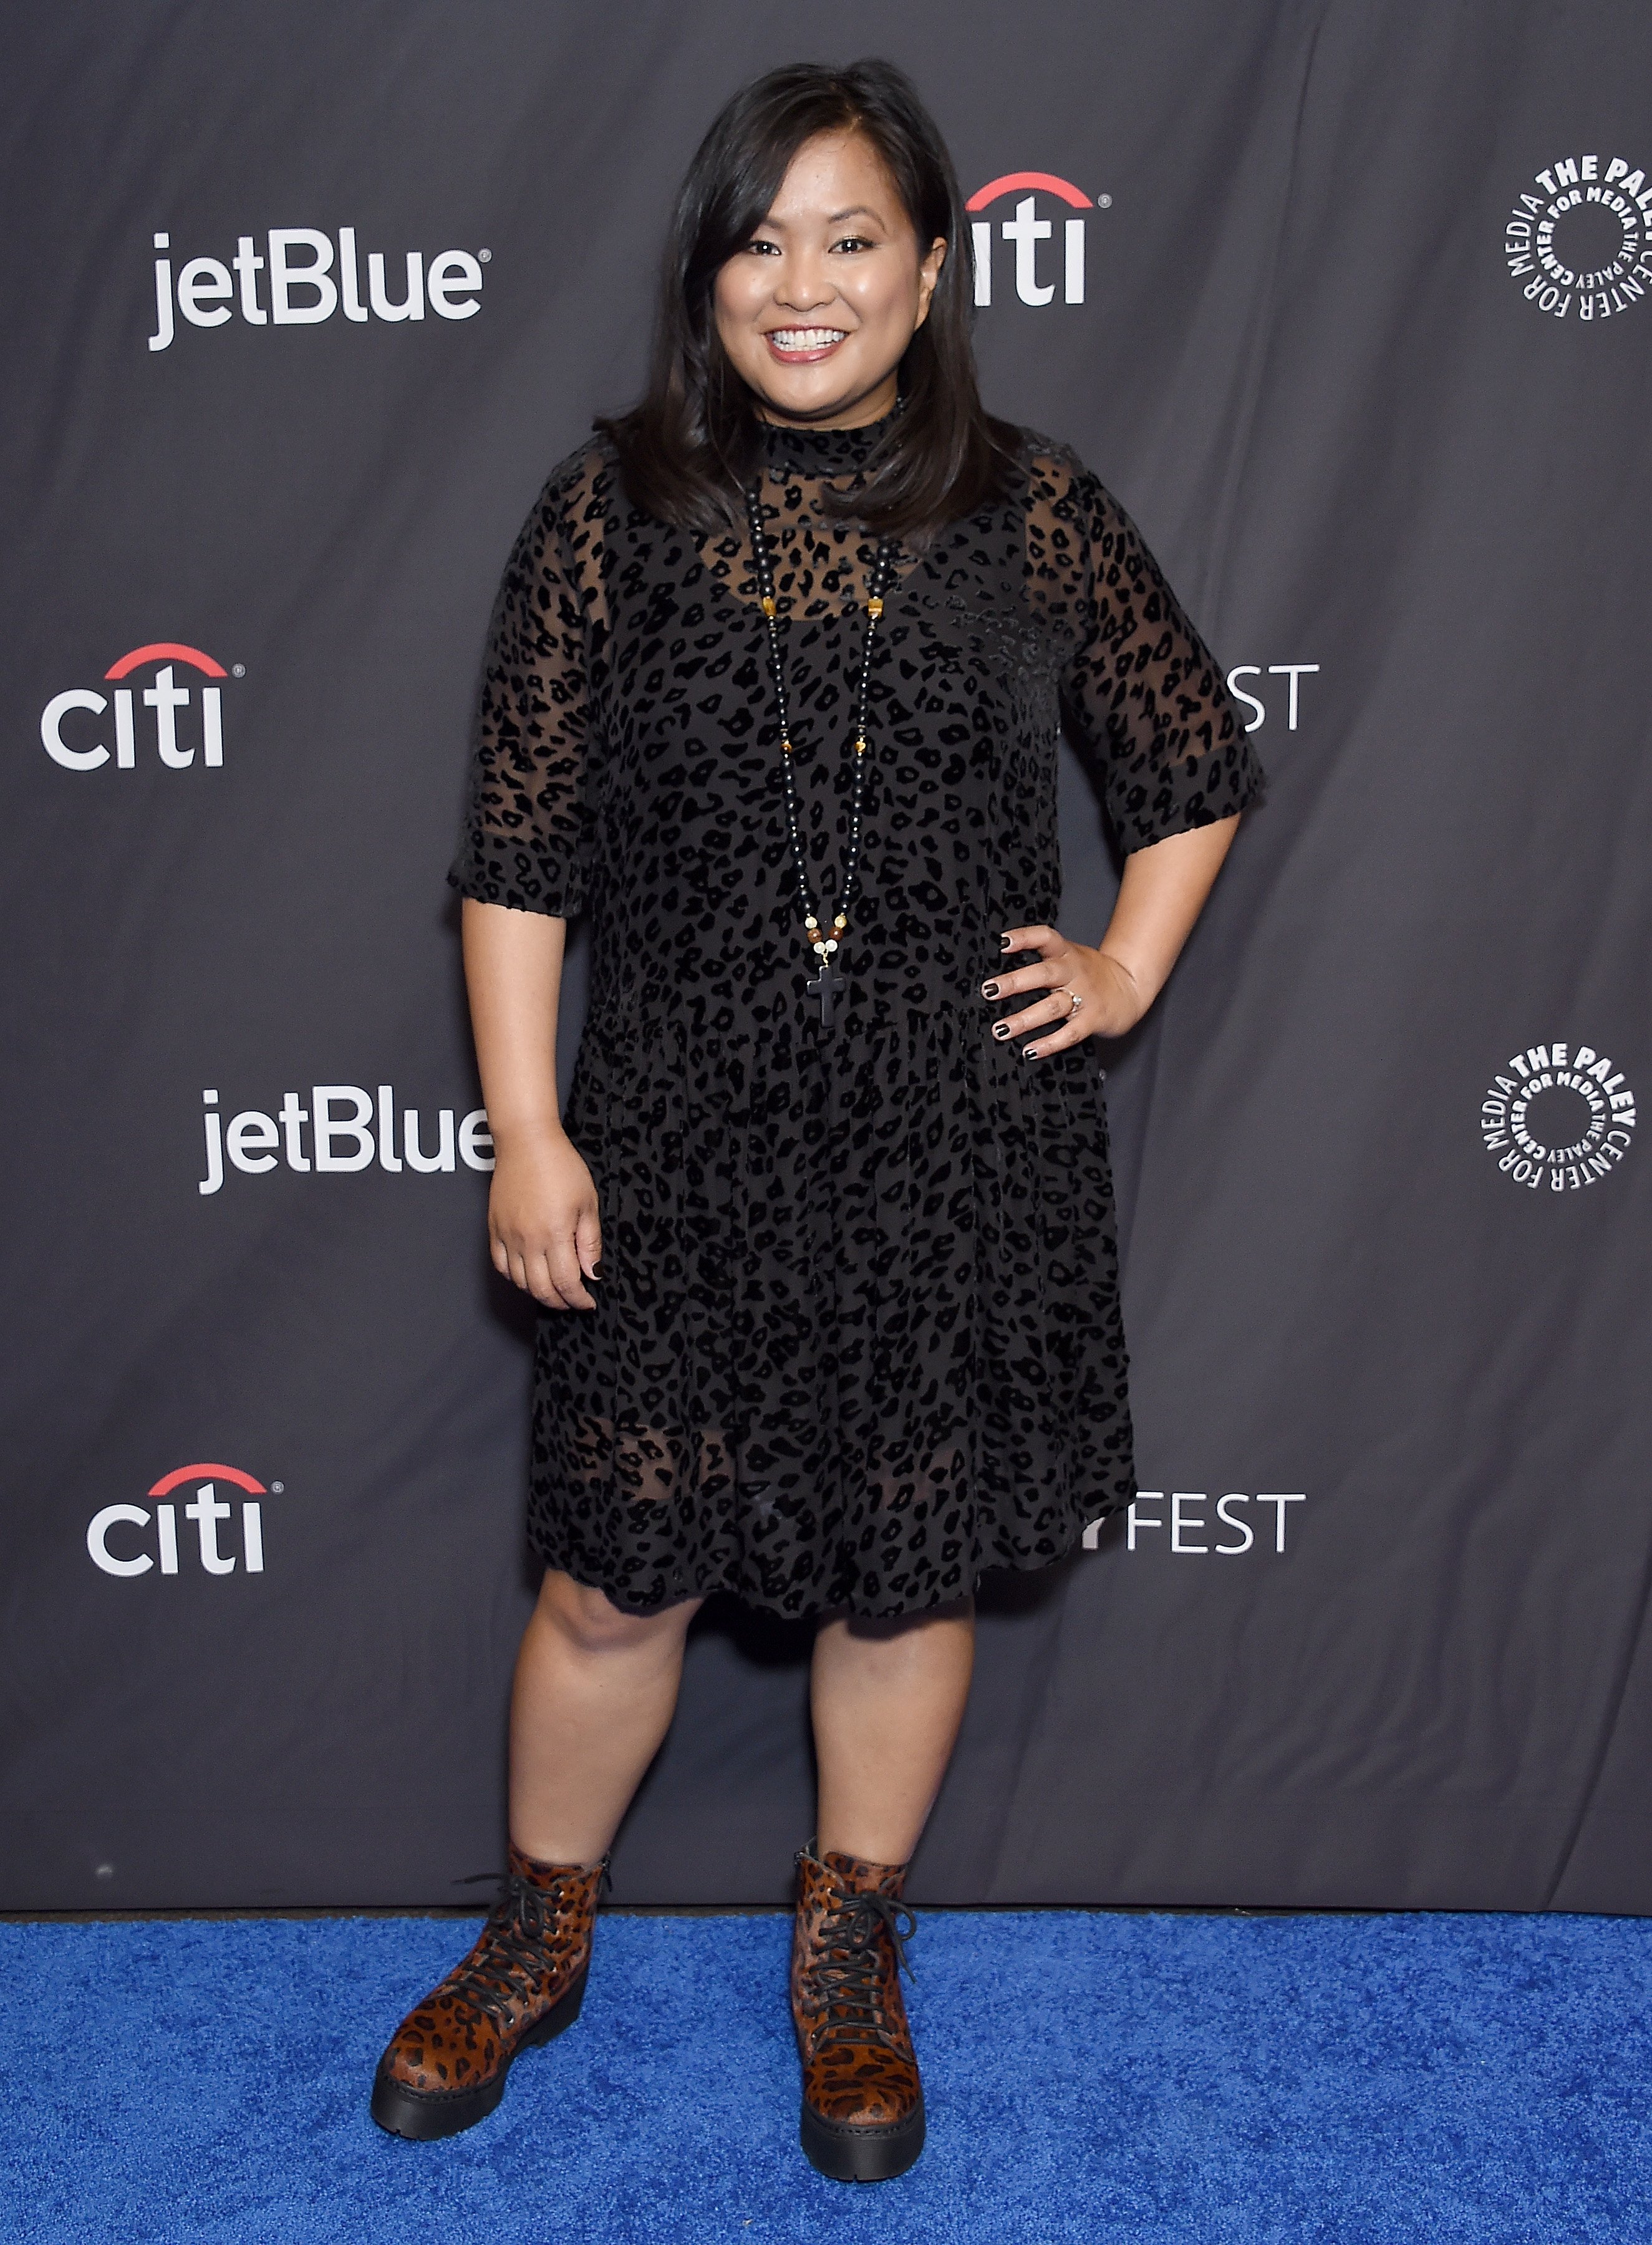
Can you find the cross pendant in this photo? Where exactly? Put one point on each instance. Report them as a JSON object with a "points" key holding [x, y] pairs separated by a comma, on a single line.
{"points": [[827, 986]]}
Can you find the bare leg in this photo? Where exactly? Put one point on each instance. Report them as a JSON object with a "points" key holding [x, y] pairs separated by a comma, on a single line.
{"points": [[595, 1690], [888, 1698]]}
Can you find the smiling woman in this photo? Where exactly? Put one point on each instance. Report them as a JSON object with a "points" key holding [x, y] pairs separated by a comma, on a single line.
{"points": [[816, 268], [825, 1242], [816, 310]]}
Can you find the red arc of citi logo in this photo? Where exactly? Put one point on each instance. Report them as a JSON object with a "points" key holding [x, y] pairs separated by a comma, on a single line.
{"points": [[147, 1539], [1026, 231], [180, 732]]}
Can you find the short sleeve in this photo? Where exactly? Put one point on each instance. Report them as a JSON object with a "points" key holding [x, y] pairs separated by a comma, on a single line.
{"points": [[1142, 691], [528, 835]]}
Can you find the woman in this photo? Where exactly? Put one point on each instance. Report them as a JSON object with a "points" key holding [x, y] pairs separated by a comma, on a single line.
{"points": [[826, 1246]]}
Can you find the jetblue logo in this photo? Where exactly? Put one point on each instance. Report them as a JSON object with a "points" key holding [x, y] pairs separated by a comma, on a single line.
{"points": [[1045, 252], [344, 1129], [301, 277]]}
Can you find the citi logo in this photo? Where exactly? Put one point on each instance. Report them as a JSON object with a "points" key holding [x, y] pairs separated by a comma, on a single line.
{"points": [[86, 749], [1025, 231], [301, 279], [147, 1540], [343, 1129]]}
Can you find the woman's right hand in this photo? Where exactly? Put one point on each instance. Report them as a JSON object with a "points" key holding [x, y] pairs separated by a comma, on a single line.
{"points": [[543, 1224]]}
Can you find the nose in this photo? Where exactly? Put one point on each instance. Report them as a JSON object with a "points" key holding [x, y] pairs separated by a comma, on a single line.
{"points": [[805, 284]]}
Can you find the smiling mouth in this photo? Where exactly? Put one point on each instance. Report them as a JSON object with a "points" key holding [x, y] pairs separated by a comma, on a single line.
{"points": [[802, 346]]}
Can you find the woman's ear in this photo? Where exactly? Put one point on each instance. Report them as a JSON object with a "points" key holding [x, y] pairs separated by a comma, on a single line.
{"points": [[927, 274]]}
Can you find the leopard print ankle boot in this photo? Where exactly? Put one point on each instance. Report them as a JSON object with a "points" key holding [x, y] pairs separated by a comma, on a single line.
{"points": [[522, 1983], [862, 2118]]}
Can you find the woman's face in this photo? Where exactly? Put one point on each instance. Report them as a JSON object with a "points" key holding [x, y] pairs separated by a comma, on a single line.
{"points": [[817, 309]]}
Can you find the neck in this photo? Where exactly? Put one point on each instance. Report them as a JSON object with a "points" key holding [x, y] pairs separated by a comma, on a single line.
{"points": [[877, 406]]}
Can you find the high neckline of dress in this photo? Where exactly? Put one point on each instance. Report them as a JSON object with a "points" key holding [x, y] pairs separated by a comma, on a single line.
{"points": [[823, 451]]}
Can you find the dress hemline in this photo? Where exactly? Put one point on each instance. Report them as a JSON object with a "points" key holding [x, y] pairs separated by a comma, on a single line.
{"points": [[856, 1612]]}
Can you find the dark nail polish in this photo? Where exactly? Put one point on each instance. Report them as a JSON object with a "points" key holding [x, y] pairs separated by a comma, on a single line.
{"points": [[1029, 1052], [989, 989], [1000, 1028], [1004, 943]]}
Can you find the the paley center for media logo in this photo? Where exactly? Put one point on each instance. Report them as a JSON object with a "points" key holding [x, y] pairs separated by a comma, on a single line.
{"points": [[205, 1519], [175, 720], [296, 276], [1580, 237], [1558, 1117], [1047, 254]]}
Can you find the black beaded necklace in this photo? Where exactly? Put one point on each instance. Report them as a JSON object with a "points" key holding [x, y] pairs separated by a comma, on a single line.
{"points": [[828, 985]]}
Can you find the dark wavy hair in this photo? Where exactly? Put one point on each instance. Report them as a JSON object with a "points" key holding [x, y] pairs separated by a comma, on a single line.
{"points": [[694, 445]]}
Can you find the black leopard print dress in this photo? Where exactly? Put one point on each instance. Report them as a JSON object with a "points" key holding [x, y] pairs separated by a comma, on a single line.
{"points": [[857, 1335]]}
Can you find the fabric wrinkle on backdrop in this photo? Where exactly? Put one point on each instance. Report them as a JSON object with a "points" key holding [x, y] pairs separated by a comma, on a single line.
{"points": [[1341, 301]]}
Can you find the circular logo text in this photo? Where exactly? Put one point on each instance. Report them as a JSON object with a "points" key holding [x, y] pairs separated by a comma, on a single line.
{"points": [[1580, 238], [1559, 1116]]}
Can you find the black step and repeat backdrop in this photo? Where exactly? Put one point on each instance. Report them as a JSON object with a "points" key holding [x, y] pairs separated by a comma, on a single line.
{"points": [[1349, 300]]}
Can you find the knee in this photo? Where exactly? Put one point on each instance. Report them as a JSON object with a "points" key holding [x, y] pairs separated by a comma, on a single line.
{"points": [[913, 1628], [591, 1624]]}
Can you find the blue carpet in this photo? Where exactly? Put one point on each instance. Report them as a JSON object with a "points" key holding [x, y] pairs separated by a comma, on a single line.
{"points": [[1159, 2080]]}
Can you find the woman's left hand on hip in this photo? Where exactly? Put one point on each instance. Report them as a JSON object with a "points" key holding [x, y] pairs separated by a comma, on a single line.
{"points": [[1076, 992]]}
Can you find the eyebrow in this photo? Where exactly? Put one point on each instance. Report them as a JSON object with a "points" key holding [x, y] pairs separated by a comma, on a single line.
{"points": [[835, 218]]}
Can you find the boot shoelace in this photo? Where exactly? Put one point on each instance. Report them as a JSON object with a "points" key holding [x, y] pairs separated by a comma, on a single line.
{"points": [[851, 1963], [512, 1958]]}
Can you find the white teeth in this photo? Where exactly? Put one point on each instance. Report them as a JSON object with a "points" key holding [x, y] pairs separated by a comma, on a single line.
{"points": [[801, 339]]}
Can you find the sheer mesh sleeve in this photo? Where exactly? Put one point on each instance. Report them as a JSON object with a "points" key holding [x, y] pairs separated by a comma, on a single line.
{"points": [[1141, 690], [529, 832]]}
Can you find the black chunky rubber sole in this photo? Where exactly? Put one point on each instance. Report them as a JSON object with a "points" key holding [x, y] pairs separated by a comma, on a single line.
{"points": [[851, 2154], [423, 2114]]}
